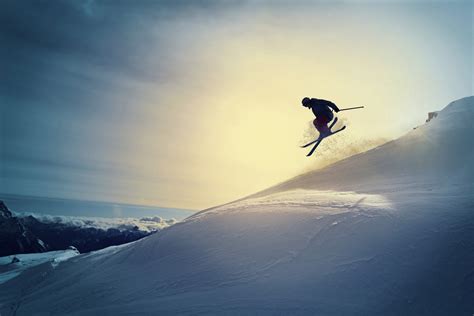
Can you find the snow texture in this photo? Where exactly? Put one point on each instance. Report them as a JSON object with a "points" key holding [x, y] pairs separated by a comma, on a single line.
{"points": [[10, 267], [386, 232]]}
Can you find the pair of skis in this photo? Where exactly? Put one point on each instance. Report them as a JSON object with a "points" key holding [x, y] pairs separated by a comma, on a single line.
{"points": [[318, 140]]}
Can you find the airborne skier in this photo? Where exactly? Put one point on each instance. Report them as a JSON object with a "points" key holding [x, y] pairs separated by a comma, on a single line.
{"points": [[323, 110]]}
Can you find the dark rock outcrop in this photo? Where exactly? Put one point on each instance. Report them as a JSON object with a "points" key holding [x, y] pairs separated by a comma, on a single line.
{"points": [[15, 237], [29, 235], [4, 211], [60, 236]]}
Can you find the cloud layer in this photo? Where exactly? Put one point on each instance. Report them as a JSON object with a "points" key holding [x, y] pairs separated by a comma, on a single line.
{"points": [[146, 224]]}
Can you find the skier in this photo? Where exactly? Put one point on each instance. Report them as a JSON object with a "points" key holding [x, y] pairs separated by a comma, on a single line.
{"points": [[322, 109]]}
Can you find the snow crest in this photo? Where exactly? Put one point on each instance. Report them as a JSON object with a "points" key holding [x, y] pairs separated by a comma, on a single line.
{"points": [[321, 202]]}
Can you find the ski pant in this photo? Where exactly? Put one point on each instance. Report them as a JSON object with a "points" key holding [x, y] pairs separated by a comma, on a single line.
{"points": [[321, 122]]}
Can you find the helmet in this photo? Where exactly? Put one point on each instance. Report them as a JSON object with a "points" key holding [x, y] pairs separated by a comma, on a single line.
{"points": [[306, 102]]}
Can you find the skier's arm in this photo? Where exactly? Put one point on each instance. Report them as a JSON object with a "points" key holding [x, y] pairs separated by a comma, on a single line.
{"points": [[333, 106]]}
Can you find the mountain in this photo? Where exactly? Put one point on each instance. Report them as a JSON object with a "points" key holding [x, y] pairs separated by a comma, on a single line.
{"points": [[15, 237], [60, 236], [386, 232], [4, 211], [28, 234]]}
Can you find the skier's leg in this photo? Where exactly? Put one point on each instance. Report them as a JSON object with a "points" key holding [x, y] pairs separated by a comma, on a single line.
{"points": [[321, 124], [315, 123], [333, 123]]}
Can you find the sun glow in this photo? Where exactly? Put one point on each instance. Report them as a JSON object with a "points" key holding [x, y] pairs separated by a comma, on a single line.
{"points": [[235, 120], [194, 105]]}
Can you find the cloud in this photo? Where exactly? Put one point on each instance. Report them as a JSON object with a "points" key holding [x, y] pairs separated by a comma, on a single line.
{"points": [[147, 224], [155, 219], [72, 89]]}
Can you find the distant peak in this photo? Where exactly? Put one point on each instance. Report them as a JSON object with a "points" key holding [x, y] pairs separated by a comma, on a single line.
{"points": [[4, 211], [463, 104]]}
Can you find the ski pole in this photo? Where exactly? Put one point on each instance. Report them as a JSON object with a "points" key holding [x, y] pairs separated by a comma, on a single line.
{"points": [[357, 107]]}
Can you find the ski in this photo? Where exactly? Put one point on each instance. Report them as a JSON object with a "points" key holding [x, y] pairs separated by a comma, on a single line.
{"points": [[314, 148], [318, 141], [333, 123], [319, 138], [311, 143]]}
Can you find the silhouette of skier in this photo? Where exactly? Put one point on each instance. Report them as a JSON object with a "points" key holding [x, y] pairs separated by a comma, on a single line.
{"points": [[322, 109]]}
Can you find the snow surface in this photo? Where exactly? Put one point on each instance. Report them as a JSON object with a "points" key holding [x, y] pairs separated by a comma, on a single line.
{"points": [[9, 270], [386, 232]]}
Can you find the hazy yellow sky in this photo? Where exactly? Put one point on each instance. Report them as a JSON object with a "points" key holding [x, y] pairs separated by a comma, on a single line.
{"points": [[235, 114], [223, 119]]}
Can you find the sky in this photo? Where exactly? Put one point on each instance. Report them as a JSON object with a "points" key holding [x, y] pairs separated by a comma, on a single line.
{"points": [[191, 104]]}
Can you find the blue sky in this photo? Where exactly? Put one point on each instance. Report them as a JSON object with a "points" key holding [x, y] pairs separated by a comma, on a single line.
{"points": [[193, 103]]}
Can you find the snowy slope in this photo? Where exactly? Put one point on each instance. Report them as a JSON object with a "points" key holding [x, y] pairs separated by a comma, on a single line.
{"points": [[442, 149], [387, 232], [10, 269]]}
